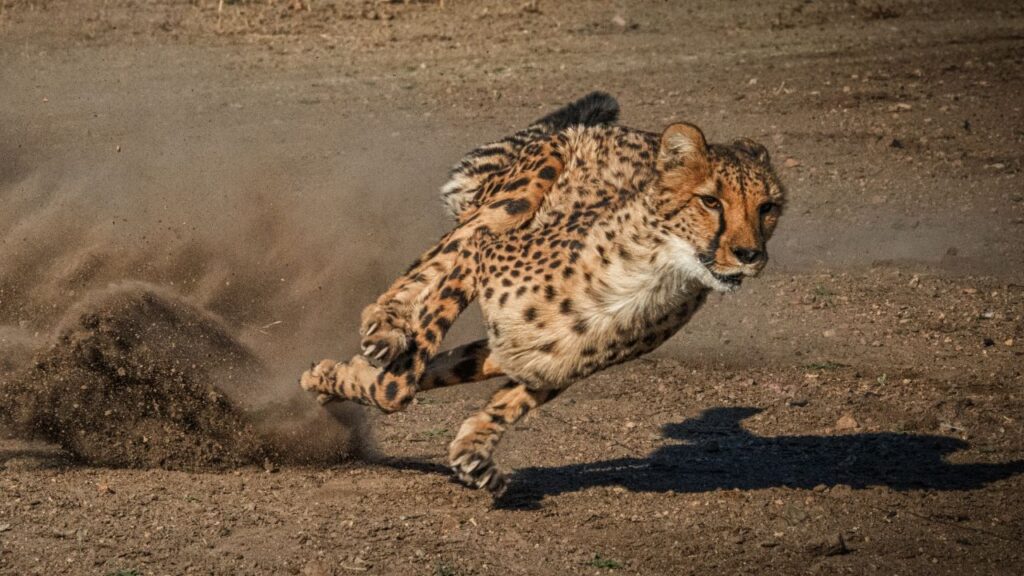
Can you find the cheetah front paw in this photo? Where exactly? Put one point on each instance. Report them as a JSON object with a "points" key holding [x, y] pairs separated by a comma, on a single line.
{"points": [[384, 336], [478, 470]]}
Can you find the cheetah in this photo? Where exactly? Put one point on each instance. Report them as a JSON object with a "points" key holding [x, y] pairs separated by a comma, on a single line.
{"points": [[586, 243]]}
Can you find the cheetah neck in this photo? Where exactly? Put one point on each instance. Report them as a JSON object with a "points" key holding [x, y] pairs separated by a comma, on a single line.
{"points": [[650, 272]]}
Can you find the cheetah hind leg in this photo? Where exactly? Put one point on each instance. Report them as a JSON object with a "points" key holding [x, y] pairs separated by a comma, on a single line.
{"points": [[470, 455]]}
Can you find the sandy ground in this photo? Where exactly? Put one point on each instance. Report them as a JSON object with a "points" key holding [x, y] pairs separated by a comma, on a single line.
{"points": [[858, 409]]}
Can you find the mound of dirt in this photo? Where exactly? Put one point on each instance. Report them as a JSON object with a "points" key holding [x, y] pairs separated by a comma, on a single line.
{"points": [[137, 377]]}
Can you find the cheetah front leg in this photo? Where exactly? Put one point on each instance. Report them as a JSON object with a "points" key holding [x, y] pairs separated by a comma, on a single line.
{"points": [[384, 325], [385, 329], [471, 453]]}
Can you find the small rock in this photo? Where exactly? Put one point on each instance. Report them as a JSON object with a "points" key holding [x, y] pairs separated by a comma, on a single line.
{"points": [[791, 163], [619, 21], [1008, 342], [834, 546], [988, 342], [315, 568], [450, 526], [532, 7], [5, 527], [797, 402], [847, 422], [794, 514]]}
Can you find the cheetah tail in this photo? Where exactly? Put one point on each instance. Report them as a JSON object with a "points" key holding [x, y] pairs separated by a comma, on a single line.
{"points": [[593, 109]]}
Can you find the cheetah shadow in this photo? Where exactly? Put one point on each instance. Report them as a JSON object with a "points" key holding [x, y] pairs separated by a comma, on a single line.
{"points": [[717, 453]]}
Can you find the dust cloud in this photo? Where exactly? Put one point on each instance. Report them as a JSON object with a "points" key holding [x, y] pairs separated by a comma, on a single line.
{"points": [[160, 297]]}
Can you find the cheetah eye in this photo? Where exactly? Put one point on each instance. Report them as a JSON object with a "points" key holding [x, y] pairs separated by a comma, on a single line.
{"points": [[711, 202], [767, 208]]}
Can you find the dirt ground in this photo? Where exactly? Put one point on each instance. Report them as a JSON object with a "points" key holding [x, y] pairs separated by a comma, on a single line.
{"points": [[857, 409]]}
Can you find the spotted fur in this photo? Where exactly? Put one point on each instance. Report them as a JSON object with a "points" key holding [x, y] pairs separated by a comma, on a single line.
{"points": [[590, 246], [485, 169]]}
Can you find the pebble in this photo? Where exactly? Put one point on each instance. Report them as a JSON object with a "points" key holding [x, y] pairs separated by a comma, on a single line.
{"points": [[847, 422], [794, 514], [314, 568], [834, 546]]}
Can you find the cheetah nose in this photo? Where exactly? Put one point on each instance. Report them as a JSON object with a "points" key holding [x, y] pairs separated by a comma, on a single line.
{"points": [[748, 255]]}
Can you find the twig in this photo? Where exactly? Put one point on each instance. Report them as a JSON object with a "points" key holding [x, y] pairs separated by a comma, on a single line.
{"points": [[946, 522]]}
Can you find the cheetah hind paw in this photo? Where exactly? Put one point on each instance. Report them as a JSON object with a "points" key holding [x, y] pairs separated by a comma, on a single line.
{"points": [[383, 335], [319, 379]]}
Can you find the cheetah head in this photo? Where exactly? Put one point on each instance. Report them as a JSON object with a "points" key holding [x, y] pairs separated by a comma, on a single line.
{"points": [[720, 202]]}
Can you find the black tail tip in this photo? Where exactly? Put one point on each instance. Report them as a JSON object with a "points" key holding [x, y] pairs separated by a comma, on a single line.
{"points": [[593, 109]]}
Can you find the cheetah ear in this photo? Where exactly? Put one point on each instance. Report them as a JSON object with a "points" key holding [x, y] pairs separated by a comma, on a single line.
{"points": [[682, 144], [752, 149]]}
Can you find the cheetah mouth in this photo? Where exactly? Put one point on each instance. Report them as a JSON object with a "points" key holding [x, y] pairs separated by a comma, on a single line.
{"points": [[731, 280]]}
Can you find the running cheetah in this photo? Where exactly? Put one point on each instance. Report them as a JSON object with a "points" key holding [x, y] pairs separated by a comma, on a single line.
{"points": [[587, 244]]}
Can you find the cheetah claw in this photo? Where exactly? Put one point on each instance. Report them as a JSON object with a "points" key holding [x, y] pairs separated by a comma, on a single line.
{"points": [[383, 338]]}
